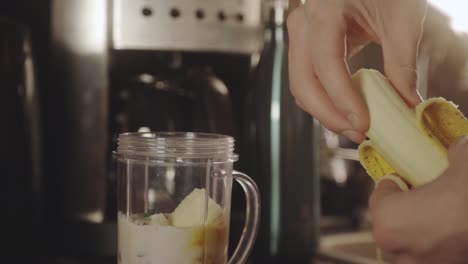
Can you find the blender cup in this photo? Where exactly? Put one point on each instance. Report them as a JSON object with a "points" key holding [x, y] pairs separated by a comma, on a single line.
{"points": [[174, 198]]}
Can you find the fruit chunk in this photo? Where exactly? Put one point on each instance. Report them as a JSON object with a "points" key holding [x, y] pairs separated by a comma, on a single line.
{"points": [[193, 209], [158, 219], [411, 143]]}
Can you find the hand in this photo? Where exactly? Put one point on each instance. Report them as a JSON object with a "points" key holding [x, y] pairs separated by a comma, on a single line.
{"points": [[428, 224], [325, 33]]}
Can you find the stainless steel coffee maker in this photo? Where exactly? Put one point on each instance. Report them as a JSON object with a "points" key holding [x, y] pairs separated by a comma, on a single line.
{"points": [[174, 65], [126, 65]]}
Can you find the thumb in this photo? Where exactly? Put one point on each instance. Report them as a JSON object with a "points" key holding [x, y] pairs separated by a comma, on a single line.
{"points": [[400, 56], [386, 187], [384, 211]]}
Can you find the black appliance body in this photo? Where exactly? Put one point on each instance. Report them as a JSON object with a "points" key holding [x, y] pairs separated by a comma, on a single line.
{"points": [[20, 145]]}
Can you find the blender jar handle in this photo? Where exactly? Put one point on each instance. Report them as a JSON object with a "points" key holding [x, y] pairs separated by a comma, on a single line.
{"points": [[252, 219]]}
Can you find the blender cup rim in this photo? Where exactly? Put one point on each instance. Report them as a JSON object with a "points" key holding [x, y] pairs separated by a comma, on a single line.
{"points": [[176, 147]]}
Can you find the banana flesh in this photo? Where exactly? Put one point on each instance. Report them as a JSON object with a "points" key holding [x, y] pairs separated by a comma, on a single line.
{"points": [[409, 142], [197, 209]]}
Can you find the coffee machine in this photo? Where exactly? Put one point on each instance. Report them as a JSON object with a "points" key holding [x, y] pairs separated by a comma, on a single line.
{"points": [[111, 66], [126, 65]]}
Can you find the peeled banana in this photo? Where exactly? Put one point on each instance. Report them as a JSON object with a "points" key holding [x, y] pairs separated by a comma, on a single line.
{"points": [[197, 209], [409, 142], [158, 219]]}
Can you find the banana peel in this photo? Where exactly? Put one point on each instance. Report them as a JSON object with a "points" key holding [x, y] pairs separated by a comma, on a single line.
{"points": [[411, 143]]}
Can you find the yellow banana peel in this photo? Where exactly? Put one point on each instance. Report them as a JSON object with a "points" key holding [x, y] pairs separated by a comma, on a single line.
{"points": [[411, 143]]}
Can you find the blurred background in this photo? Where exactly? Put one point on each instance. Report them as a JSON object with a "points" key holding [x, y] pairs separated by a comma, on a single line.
{"points": [[75, 74]]}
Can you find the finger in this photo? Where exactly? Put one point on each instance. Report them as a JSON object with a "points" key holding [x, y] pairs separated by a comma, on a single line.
{"points": [[400, 42], [305, 86], [404, 221], [382, 229], [388, 207], [329, 60], [406, 259], [386, 187], [356, 39], [400, 68], [456, 174], [458, 148]]}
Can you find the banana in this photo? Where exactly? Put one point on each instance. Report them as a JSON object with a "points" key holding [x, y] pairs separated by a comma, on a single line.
{"points": [[197, 209], [411, 143], [158, 219]]}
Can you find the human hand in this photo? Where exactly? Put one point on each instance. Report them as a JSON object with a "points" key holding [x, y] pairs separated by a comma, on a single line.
{"points": [[428, 224], [323, 34]]}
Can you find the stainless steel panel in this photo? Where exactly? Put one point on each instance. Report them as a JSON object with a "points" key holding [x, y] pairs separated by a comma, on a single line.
{"points": [[80, 80], [199, 25]]}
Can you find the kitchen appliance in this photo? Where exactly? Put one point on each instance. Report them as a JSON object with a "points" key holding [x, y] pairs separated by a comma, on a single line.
{"points": [[90, 54], [111, 66], [20, 146], [125, 65], [174, 193]]}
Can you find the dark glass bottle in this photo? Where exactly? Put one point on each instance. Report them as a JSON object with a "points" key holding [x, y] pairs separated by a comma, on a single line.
{"points": [[283, 156]]}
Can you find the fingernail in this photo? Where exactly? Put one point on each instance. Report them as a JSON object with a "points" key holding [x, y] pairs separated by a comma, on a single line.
{"points": [[395, 179], [416, 97], [354, 120], [353, 135]]}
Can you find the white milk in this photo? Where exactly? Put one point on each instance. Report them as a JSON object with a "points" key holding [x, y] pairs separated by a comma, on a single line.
{"points": [[153, 243]]}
